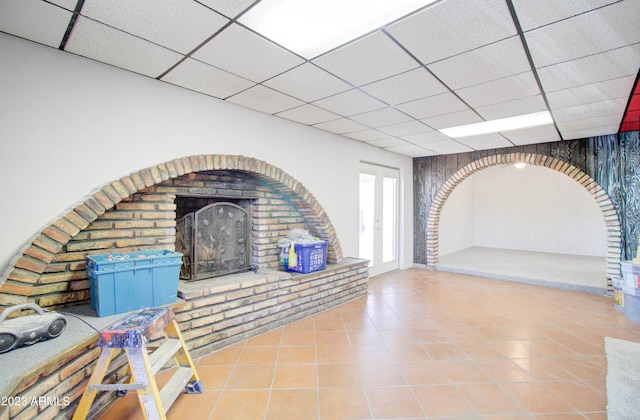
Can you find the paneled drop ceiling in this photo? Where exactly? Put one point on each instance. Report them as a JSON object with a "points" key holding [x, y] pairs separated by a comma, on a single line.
{"points": [[450, 63]]}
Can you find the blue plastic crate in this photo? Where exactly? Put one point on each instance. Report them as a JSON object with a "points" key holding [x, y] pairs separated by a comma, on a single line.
{"points": [[125, 282], [310, 257]]}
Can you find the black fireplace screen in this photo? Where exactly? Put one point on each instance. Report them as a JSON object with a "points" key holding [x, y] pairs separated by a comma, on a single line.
{"points": [[214, 241]]}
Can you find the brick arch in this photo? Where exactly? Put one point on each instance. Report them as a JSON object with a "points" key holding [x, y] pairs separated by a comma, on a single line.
{"points": [[601, 197], [23, 279]]}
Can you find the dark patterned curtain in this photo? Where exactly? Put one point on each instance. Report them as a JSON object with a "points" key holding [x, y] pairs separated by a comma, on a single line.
{"points": [[616, 167], [630, 177]]}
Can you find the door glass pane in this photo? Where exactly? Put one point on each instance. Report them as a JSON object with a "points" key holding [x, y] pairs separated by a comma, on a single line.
{"points": [[367, 216], [389, 221]]}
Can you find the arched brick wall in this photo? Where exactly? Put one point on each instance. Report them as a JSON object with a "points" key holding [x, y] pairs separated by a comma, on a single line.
{"points": [[40, 271], [600, 195]]}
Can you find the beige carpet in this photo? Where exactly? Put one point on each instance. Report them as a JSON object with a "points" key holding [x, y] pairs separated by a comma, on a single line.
{"points": [[623, 379], [569, 272]]}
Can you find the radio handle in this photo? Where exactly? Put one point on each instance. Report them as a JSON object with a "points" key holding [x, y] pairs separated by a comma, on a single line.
{"points": [[20, 307]]}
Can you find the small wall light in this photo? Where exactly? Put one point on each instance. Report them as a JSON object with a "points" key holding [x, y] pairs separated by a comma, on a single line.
{"points": [[520, 165]]}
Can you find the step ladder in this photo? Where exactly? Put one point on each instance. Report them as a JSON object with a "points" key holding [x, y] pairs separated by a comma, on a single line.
{"points": [[131, 335]]}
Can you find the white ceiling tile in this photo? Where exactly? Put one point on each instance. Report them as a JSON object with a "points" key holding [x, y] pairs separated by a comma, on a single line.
{"points": [[103, 43], [405, 129], [367, 135], [367, 60], [229, 8], [381, 117], [308, 83], [533, 14], [495, 61], [590, 132], [341, 126], [195, 75], [388, 142], [432, 106], [244, 53], [608, 28], [614, 107], [67, 4], [308, 115], [596, 92], [609, 65], [448, 146], [485, 141], [528, 105], [426, 138], [589, 123], [405, 87], [453, 119], [411, 150], [532, 135], [264, 99], [348, 103], [502, 90], [180, 25], [443, 30], [34, 20]]}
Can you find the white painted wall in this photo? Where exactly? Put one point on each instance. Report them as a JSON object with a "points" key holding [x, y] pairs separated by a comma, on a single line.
{"points": [[69, 125], [531, 209], [457, 219]]}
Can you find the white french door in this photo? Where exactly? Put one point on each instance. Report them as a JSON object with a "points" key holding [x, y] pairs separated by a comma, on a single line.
{"points": [[379, 217]]}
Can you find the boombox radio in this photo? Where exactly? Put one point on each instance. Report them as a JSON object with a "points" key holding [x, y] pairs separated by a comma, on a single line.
{"points": [[29, 329]]}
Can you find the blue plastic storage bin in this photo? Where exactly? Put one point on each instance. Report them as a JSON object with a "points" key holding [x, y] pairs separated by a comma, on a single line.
{"points": [[123, 282], [310, 257]]}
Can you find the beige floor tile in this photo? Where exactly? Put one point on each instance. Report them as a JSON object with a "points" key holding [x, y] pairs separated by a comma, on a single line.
{"points": [[490, 399], [239, 405], [251, 377], [421, 344], [225, 356], [297, 355], [338, 375], [293, 404], [295, 376], [381, 374], [394, 403], [580, 395], [334, 354], [332, 338], [214, 377], [463, 371], [271, 338], [423, 373], [258, 356], [445, 351], [443, 400], [504, 370], [344, 404], [537, 398]]}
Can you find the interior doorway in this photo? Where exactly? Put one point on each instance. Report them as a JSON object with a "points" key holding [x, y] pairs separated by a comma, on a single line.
{"points": [[379, 217]]}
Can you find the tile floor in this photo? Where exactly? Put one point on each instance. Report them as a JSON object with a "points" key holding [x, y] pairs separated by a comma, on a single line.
{"points": [[421, 344]]}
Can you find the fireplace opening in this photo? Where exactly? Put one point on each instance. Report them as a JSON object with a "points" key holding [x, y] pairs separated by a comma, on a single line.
{"points": [[213, 235]]}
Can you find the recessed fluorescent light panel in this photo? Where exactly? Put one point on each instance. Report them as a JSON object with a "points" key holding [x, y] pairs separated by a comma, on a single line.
{"points": [[312, 27], [503, 124]]}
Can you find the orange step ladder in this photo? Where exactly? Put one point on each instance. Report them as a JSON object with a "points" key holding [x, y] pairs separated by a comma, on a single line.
{"points": [[131, 335]]}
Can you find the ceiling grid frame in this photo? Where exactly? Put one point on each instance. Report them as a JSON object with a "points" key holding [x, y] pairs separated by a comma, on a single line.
{"points": [[586, 102]]}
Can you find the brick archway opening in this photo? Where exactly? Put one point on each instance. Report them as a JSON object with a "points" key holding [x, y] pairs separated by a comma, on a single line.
{"points": [[612, 222]]}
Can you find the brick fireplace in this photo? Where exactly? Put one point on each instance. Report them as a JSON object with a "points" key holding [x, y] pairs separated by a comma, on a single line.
{"points": [[139, 212]]}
